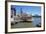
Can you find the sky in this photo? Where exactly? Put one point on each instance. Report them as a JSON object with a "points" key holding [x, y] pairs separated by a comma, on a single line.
{"points": [[34, 10]]}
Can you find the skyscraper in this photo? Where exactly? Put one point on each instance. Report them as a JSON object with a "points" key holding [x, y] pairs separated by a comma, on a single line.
{"points": [[14, 12], [21, 11]]}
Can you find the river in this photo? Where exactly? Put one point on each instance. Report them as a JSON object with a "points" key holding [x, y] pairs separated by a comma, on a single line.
{"points": [[36, 20]]}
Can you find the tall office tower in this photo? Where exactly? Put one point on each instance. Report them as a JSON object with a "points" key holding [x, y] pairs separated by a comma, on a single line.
{"points": [[14, 12], [21, 12]]}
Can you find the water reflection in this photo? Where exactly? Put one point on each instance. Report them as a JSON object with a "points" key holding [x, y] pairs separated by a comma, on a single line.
{"points": [[36, 20]]}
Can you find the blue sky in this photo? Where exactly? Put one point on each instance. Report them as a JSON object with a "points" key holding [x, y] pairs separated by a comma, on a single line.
{"points": [[28, 9]]}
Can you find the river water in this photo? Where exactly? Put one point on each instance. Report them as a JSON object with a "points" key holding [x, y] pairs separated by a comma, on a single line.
{"points": [[36, 20]]}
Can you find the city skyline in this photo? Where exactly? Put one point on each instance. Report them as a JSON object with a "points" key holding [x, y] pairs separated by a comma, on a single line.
{"points": [[34, 10]]}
